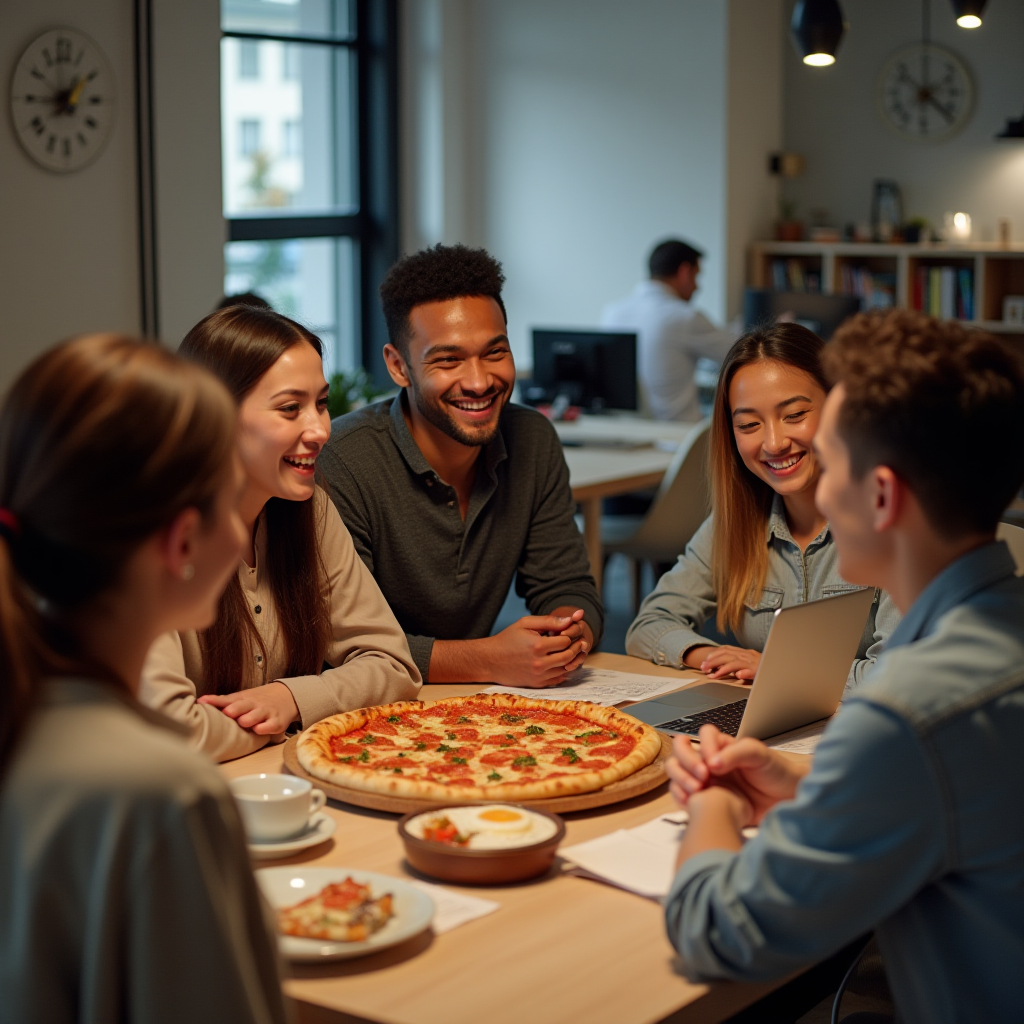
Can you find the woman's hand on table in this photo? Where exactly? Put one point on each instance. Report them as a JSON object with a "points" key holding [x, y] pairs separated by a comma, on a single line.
{"points": [[720, 662], [759, 776], [264, 710]]}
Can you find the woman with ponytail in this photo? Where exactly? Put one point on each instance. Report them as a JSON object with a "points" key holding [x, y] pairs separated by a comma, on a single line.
{"points": [[125, 886], [765, 545], [303, 630]]}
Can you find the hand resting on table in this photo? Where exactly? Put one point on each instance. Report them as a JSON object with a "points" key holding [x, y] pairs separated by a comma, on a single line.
{"points": [[264, 710]]}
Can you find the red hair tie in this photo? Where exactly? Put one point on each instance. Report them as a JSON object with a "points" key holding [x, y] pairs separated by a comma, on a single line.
{"points": [[9, 522]]}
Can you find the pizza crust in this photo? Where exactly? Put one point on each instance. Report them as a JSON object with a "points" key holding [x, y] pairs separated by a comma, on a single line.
{"points": [[314, 752]]}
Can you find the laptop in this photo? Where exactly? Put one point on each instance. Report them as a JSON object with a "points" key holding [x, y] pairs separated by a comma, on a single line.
{"points": [[801, 677]]}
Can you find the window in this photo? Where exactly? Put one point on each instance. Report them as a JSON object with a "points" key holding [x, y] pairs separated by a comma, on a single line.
{"points": [[291, 138], [248, 137], [312, 211], [248, 59]]}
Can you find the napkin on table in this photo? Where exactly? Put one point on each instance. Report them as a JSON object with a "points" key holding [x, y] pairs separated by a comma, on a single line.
{"points": [[452, 909]]}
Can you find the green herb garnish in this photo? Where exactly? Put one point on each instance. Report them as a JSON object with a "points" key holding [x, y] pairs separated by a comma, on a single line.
{"points": [[593, 732], [368, 739], [401, 755], [524, 762], [394, 719], [494, 776], [571, 754], [450, 736], [397, 771], [511, 719], [421, 746], [458, 760], [534, 730], [445, 749], [509, 736], [364, 756], [462, 720], [345, 759]]}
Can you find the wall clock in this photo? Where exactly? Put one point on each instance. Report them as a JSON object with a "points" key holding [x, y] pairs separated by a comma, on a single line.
{"points": [[925, 93], [62, 100]]}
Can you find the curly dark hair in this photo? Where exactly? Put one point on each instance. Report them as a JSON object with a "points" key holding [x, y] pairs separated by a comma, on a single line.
{"points": [[436, 275], [940, 405]]}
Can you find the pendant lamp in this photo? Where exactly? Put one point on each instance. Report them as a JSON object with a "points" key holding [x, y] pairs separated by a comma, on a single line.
{"points": [[968, 12], [817, 27]]}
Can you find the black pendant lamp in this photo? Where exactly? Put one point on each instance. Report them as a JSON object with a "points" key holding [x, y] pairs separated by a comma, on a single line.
{"points": [[1014, 128], [968, 12], [817, 27]]}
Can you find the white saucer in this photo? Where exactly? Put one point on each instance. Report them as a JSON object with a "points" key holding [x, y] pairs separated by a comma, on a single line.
{"points": [[320, 828]]}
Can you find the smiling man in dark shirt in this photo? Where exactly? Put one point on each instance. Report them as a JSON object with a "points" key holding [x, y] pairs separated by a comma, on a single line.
{"points": [[450, 492]]}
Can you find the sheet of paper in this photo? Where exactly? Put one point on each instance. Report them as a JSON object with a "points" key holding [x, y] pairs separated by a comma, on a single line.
{"points": [[452, 909], [641, 860], [603, 686], [799, 741]]}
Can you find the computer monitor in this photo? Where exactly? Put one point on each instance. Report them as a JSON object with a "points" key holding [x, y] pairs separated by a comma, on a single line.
{"points": [[592, 369], [819, 313]]}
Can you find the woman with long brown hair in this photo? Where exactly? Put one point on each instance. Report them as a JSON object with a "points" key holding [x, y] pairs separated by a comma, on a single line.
{"points": [[125, 886], [765, 545], [302, 631]]}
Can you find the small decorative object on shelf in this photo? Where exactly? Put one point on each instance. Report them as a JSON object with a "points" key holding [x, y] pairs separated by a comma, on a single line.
{"points": [[886, 209], [788, 228], [915, 231], [1013, 310]]}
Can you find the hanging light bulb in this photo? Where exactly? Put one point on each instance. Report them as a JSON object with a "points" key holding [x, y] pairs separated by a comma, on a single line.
{"points": [[817, 27], [968, 12]]}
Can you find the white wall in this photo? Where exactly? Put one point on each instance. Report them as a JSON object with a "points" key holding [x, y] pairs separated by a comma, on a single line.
{"points": [[583, 131], [69, 242], [830, 117]]}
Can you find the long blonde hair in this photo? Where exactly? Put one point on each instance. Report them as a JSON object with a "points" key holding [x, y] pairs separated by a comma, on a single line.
{"points": [[741, 502]]}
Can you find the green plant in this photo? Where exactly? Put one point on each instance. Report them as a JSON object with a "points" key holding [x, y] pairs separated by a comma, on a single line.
{"points": [[787, 209], [350, 391]]}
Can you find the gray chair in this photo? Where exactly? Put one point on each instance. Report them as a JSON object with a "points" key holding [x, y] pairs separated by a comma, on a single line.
{"points": [[1014, 537], [681, 504]]}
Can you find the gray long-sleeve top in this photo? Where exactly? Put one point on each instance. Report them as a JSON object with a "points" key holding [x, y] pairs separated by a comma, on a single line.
{"points": [[443, 576], [673, 614], [909, 822]]}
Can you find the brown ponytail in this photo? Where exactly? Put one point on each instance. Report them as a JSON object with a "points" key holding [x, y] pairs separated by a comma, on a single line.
{"points": [[240, 344], [741, 502], [103, 441]]}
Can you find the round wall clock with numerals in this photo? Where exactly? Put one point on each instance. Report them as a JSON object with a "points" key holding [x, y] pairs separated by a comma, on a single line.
{"points": [[62, 100], [925, 93]]}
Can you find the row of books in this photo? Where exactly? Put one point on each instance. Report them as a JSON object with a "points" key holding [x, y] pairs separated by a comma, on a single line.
{"points": [[875, 290], [946, 292], [790, 276]]}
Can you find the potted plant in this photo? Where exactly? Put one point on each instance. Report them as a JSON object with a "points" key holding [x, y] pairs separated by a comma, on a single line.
{"points": [[788, 228], [349, 391]]}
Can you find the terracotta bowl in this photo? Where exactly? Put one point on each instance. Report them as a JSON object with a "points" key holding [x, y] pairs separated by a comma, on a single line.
{"points": [[480, 867]]}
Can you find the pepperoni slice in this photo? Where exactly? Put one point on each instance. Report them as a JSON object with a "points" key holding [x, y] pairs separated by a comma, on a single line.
{"points": [[394, 762], [381, 727], [345, 748]]}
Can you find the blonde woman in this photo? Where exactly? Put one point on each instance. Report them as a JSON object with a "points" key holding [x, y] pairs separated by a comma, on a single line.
{"points": [[765, 545]]}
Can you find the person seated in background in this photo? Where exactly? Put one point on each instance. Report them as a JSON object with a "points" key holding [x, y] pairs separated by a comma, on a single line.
{"points": [[765, 545], [244, 299], [672, 334], [450, 492], [126, 892], [303, 631], [908, 820]]}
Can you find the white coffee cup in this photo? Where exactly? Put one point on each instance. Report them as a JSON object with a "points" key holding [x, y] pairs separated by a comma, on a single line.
{"points": [[275, 807]]}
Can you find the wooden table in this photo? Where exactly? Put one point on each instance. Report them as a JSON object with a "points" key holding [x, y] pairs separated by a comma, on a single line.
{"points": [[597, 473], [560, 948]]}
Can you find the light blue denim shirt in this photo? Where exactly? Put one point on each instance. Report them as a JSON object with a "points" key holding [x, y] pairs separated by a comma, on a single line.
{"points": [[674, 613], [910, 822]]}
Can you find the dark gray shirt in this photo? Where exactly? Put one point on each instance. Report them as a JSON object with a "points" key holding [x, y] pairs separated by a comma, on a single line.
{"points": [[444, 577]]}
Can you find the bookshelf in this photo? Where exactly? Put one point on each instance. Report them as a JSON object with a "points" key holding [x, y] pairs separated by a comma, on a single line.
{"points": [[965, 282]]}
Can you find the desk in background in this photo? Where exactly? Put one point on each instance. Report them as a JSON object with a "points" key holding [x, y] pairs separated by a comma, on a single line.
{"points": [[596, 473], [561, 948]]}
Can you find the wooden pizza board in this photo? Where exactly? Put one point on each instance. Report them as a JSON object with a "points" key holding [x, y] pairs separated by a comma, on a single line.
{"points": [[640, 782]]}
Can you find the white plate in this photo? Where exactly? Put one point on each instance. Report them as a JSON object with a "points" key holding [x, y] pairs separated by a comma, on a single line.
{"points": [[286, 886], [321, 827]]}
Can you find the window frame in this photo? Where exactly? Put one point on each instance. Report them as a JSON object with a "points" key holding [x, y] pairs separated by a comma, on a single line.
{"points": [[374, 224]]}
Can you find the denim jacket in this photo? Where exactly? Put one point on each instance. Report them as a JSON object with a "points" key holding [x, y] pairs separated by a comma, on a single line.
{"points": [[909, 823], [673, 614]]}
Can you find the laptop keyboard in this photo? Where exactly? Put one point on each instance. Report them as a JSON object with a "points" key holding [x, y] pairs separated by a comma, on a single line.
{"points": [[727, 718]]}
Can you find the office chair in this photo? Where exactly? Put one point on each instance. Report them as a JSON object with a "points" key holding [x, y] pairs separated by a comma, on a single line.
{"points": [[681, 504], [1014, 537]]}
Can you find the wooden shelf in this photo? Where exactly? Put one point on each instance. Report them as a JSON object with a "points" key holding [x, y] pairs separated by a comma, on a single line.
{"points": [[997, 271]]}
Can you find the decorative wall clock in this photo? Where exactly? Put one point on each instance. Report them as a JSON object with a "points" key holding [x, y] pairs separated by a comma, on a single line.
{"points": [[925, 93], [62, 100]]}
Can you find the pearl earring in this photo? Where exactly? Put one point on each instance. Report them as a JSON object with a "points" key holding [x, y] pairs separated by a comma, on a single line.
{"points": [[187, 572]]}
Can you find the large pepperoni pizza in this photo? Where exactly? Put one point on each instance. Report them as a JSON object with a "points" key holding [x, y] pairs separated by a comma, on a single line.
{"points": [[487, 746]]}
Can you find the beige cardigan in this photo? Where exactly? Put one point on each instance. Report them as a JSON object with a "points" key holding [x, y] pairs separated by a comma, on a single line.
{"points": [[126, 892], [369, 653]]}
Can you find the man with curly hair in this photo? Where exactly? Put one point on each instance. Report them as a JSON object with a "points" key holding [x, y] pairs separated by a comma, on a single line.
{"points": [[450, 492], [908, 821]]}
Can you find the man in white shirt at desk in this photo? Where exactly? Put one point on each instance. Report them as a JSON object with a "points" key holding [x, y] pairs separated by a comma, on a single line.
{"points": [[671, 333]]}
